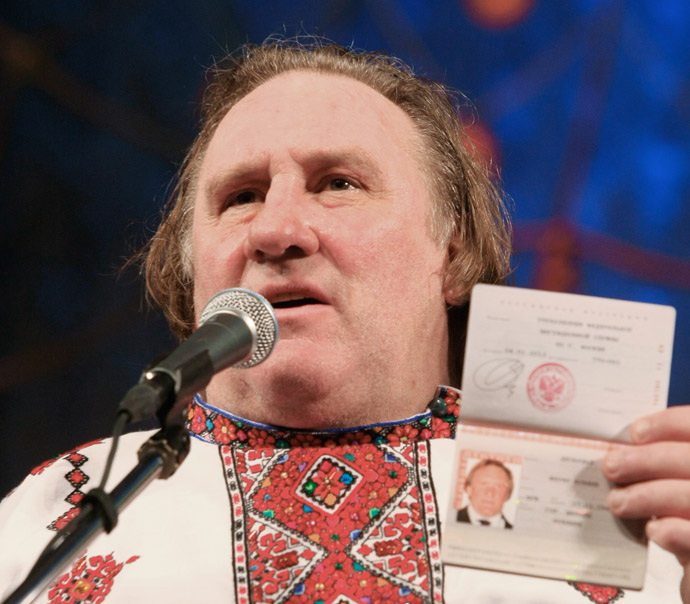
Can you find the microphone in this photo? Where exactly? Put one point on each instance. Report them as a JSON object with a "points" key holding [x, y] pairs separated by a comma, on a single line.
{"points": [[237, 327]]}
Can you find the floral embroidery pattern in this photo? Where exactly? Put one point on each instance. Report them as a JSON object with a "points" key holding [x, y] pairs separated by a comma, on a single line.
{"points": [[334, 516], [598, 593], [90, 580], [328, 483], [215, 426]]}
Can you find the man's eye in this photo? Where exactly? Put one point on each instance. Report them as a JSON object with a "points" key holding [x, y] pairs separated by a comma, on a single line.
{"points": [[340, 184], [241, 198]]}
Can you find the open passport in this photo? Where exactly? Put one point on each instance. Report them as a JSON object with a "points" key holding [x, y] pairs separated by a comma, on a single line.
{"points": [[551, 381]]}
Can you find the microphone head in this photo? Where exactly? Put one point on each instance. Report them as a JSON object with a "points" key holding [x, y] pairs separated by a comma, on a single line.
{"points": [[253, 306]]}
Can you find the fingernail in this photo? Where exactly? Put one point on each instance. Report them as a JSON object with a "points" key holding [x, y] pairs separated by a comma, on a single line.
{"points": [[616, 500], [640, 430], [612, 462]]}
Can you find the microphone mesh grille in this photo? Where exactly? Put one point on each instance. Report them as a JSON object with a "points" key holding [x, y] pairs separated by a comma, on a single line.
{"points": [[257, 308]]}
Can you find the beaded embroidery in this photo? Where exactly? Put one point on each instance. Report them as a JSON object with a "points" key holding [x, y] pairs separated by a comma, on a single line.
{"points": [[90, 580], [600, 594], [336, 516], [221, 428]]}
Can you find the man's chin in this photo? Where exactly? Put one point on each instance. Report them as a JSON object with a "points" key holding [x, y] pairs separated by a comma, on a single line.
{"points": [[295, 370], [300, 355]]}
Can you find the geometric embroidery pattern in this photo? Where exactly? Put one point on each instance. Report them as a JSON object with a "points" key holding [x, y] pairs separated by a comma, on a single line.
{"points": [[268, 560], [600, 594], [331, 517], [394, 544], [76, 478], [376, 538], [343, 599], [89, 581], [328, 483]]}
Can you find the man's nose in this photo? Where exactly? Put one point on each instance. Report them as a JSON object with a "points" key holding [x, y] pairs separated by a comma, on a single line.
{"points": [[282, 226]]}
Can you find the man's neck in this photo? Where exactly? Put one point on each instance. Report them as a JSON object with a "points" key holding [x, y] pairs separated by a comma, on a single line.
{"points": [[302, 405]]}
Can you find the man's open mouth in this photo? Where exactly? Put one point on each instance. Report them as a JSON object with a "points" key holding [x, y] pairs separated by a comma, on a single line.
{"points": [[295, 303]]}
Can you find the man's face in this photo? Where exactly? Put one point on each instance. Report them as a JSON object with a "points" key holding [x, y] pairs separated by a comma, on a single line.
{"points": [[310, 194], [488, 491]]}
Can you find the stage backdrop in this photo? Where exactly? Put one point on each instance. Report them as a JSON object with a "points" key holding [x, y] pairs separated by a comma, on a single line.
{"points": [[583, 107]]}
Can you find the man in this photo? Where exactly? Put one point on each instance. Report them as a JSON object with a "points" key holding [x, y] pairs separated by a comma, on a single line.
{"points": [[488, 485], [337, 185]]}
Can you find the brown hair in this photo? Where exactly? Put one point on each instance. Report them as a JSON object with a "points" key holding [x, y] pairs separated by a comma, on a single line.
{"points": [[468, 214]]}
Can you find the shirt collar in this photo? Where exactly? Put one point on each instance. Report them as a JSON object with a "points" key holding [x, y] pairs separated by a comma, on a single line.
{"points": [[213, 425], [476, 518]]}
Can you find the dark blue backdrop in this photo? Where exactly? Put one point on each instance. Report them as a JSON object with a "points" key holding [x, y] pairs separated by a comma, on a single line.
{"points": [[583, 105]]}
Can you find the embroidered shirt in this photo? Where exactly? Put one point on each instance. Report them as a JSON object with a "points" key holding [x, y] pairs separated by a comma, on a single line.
{"points": [[258, 514], [339, 513]]}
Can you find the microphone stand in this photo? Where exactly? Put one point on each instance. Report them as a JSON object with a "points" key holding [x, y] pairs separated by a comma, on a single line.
{"points": [[227, 335], [159, 457]]}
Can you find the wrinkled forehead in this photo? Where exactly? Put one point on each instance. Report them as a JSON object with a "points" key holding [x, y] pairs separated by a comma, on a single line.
{"points": [[304, 110]]}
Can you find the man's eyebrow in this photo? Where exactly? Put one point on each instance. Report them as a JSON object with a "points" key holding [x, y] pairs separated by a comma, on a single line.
{"points": [[357, 157], [218, 180]]}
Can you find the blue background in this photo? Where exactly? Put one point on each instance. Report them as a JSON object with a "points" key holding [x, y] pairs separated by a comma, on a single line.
{"points": [[584, 107]]}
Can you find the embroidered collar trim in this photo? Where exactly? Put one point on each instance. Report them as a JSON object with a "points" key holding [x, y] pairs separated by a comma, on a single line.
{"points": [[213, 425]]}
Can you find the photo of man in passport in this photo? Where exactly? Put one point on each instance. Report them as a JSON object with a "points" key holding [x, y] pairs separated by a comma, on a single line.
{"points": [[488, 486]]}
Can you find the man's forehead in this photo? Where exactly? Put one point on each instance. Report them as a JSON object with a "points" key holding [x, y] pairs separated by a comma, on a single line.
{"points": [[315, 117], [492, 469], [275, 91], [300, 98]]}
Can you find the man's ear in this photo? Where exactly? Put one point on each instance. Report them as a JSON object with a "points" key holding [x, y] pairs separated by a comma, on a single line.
{"points": [[454, 293], [455, 287]]}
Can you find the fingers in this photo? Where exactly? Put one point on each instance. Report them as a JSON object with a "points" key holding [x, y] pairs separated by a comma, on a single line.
{"points": [[670, 424], [651, 498], [673, 534], [656, 472], [627, 464]]}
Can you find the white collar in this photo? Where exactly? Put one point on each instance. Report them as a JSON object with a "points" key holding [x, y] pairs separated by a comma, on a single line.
{"points": [[497, 520]]}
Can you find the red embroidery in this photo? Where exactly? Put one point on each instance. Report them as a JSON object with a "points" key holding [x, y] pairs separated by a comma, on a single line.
{"points": [[215, 427], [62, 521], [196, 420], [77, 478], [334, 524], [341, 517], [285, 560], [46, 464], [223, 430], [90, 580], [598, 593]]}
